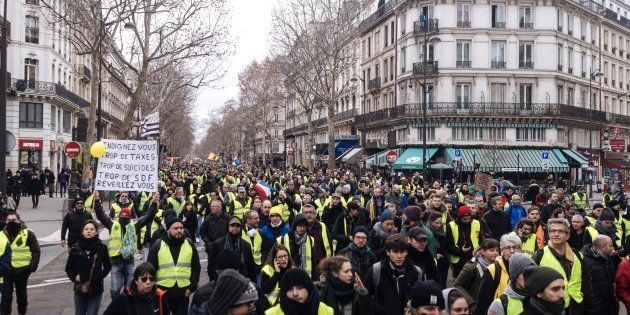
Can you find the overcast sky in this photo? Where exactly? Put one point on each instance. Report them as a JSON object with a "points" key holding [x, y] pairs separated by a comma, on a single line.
{"points": [[251, 21]]}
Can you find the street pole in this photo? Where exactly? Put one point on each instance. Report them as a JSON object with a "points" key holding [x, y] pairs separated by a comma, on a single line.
{"points": [[138, 128], [518, 169], [424, 100], [3, 100]]}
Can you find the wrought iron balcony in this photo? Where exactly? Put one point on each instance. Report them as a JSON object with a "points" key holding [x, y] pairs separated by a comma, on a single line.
{"points": [[560, 67], [43, 88], [62, 92], [498, 24], [526, 25], [463, 24], [463, 64], [374, 84], [526, 65], [428, 26], [497, 64], [430, 67], [32, 35], [85, 71], [345, 115]]}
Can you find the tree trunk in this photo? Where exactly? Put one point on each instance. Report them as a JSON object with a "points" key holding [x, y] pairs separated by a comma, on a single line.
{"points": [[331, 136], [264, 151], [87, 156], [123, 131]]}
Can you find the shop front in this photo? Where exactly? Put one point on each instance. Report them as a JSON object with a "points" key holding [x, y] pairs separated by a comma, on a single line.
{"points": [[30, 155], [616, 168]]}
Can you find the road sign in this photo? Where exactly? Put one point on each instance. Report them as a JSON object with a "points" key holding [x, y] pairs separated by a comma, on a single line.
{"points": [[322, 157], [365, 157], [545, 155], [544, 164], [458, 155], [72, 149], [392, 156]]}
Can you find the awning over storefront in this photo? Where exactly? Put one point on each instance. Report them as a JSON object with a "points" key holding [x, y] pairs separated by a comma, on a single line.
{"points": [[623, 164], [353, 156], [380, 159], [411, 159], [575, 157], [342, 146], [508, 160]]}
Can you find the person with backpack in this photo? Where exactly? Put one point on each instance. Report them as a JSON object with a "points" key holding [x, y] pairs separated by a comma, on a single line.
{"points": [[469, 280], [389, 281], [511, 300]]}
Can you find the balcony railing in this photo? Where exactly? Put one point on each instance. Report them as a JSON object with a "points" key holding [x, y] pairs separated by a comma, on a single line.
{"points": [[463, 64], [32, 35], [463, 24], [526, 65], [33, 2], [498, 24], [61, 91], [497, 64], [526, 25], [560, 67], [303, 127], [43, 88], [613, 82], [570, 70], [85, 71], [349, 114], [374, 84], [428, 26], [430, 67]]}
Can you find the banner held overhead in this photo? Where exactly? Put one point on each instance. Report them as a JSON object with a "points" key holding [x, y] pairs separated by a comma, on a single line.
{"points": [[128, 165]]}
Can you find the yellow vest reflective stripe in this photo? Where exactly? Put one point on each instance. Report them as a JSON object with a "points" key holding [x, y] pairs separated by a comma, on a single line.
{"points": [[591, 219], [604, 197], [176, 204], [239, 208], [504, 278], [320, 207], [117, 209], [143, 230], [475, 228], [323, 309], [444, 219], [115, 240], [460, 197], [573, 286], [3, 247], [230, 196], [579, 202], [20, 254], [529, 247], [273, 296], [256, 246], [286, 213], [169, 273], [284, 240], [593, 233], [326, 240]]}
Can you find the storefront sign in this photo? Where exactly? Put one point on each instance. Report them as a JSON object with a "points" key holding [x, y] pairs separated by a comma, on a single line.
{"points": [[128, 165], [346, 137], [33, 145], [618, 145]]}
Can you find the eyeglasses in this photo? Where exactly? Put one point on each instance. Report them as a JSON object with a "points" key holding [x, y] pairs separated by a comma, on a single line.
{"points": [[360, 237], [282, 257], [514, 248], [147, 279], [557, 231]]}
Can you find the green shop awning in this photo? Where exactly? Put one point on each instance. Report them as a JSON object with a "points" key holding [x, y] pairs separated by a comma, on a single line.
{"points": [[509, 160], [577, 158], [411, 159]]}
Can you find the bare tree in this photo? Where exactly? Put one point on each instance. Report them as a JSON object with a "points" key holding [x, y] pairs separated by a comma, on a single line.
{"points": [[314, 37]]}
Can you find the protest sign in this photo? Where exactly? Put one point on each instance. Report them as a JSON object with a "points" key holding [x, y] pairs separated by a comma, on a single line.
{"points": [[128, 165], [483, 182]]}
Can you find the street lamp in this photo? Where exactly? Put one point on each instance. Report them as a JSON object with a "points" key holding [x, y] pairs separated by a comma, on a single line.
{"points": [[355, 78], [428, 39], [593, 74], [3, 98]]}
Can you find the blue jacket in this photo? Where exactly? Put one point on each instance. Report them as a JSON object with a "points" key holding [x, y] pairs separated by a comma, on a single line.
{"points": [[516, 213]]}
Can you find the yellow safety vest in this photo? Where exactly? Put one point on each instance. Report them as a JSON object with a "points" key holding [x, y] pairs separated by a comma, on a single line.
{"points": [[591, 219], [604, 197], [475, 229], [444, 219], [323, 309], [176, 204], [144, 197], [143, 230], [594, 233], [529, 246], [117, 209], [273, 296], [3, 246], [286, 213], [579, 202], [169, 273], [320, 207], [88, 204], [504, 279], [240, 209], [20, 252], [115, 237], [514, 305], [573, 286], [284, 240], [256, 245], [326, 240]]}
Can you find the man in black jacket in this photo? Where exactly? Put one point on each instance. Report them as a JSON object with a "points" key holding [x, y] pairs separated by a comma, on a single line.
{"points": [[73, 223], [334, 210], [175, 251], [215, 224], [497, 220], [345, 224], [390, 280], [360, 255], [234, 242], [602, 272]]}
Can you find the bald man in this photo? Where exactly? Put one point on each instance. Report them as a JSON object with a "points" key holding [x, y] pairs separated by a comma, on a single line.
{"points": [[597, 257]]}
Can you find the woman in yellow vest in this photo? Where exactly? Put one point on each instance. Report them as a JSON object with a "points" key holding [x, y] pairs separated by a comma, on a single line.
{"points": [[298, 295], [278, 262]]}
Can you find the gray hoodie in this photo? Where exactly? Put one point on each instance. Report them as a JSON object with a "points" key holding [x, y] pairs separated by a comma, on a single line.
{"points": [[496, 308]]}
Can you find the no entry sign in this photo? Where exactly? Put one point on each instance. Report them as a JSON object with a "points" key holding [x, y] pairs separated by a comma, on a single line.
{"points": [[72, 149]]}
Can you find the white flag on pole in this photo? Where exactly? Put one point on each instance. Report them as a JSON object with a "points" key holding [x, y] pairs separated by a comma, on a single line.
{"points": [[151, 125]]}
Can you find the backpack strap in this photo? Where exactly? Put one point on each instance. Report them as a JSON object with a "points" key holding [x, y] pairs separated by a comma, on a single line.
{"points": [[504, 302], [496, 279], [376, 274]]}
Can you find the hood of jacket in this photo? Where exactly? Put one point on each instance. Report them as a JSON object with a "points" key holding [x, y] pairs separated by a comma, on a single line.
{"points": [[298, 217], [589, 251]]}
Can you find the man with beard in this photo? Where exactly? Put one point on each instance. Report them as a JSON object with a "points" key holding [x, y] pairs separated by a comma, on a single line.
{"points": [[275, 228], [498, 221], [545, 291], [395, 196], [233, 241], [73, 223], [419, 254], [366, 195], [319, 232], [463, 236], [437, 204], [342, 229], [263, 213], [597, 257], [376, 205], [605, 225], [123, 201], [360, 255], [334, 210], [300, 245], [177, 266]]}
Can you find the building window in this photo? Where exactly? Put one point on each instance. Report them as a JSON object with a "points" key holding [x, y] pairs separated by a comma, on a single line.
{"points": [[525, 17], [385, 74], [67, 118], [402, 135], [570, 96], [468, 133], [31, 115], [570, 60], [391, 67], [369, 47], [377, 102], [525, 93], [570, 24], [497, 92], [498, 16], [377, 42], [530, 134], [30, 72], [53, 118], [498, 55], [463, 95], [403, 59], [31, 29], [430, 134], [385, 34], [428, 49], [275, 147], [463, 15], [463, 54], [560, 58], [525, 56], [392, 34], [561, 135], [402, 21], [496, 134], [560, 20]]}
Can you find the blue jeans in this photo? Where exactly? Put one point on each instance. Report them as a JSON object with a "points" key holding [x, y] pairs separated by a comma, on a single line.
{"points": [[122, 273], [87, 304]]}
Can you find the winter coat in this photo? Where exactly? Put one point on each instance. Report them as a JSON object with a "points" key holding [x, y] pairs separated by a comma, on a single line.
{"points": [[331, 214], [515, 213], [602, 272], [213, 228], [342, 229], [392, 292], [247, 266], [81, 260], [498, 223], [195, 264], [622, 281], [531, 193], [130, 302], [73, 225], [270, 234], [360, 262], [33, 186], [190, 221], [469, 280]]}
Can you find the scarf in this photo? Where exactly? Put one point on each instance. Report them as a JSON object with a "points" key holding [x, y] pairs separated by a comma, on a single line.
{"points": [[337, 293], [291, 307], [233, 243], [610, 232], [89, 244], [534, 305], [378, 229], [360, 252], [300, 241], [482, 261]]}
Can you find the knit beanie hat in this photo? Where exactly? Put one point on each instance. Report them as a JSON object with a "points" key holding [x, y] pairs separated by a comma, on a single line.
{"points": [[167, 214], [250, 295], [387, 215], [463, 211], [360, 229], [276, 210], [427, 293], [518, 263], [537, 278], [611, 204], [126, 211], [607, 215], [295, 277], [229, 288], [170, 221], [412, 213], [228, 259]]}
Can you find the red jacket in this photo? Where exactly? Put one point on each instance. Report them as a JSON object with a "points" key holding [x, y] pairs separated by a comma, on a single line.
{"points": [[622, 283]]}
